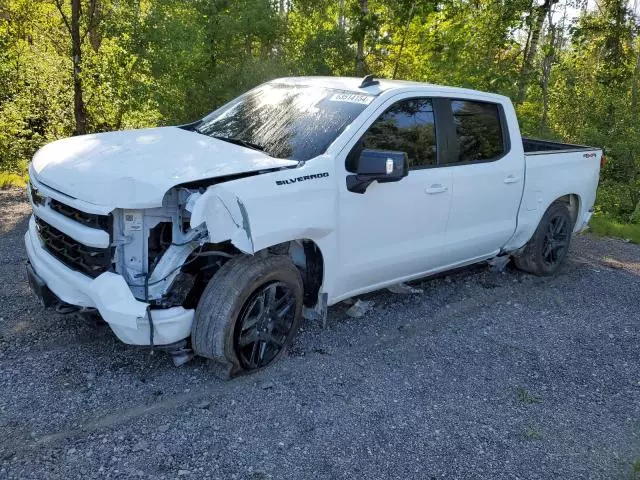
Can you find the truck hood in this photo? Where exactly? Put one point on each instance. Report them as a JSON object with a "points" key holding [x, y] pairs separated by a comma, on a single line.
{"points": [[135, 168]]}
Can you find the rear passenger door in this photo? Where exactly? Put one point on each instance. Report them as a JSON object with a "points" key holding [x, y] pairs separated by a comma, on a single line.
{"points": [[488, 175]]}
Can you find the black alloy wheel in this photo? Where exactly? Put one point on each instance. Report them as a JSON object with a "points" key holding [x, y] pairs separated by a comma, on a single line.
{"points": [[548, 247], [556, 241], [265, 324], [248, 313]]}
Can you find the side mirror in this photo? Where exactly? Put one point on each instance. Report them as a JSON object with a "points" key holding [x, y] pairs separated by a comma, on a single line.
{"points": [[377, 165]]}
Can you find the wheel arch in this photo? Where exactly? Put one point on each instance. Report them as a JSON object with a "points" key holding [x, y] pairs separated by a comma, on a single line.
{"points": [[530, 216], [573, 202], [306, 254]]}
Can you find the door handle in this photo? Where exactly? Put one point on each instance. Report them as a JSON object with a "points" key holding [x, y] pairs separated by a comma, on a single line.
{"points": [[511, 179], [436, 188]]}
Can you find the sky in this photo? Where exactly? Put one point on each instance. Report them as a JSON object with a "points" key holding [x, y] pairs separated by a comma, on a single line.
{"points": [[573, 13]]}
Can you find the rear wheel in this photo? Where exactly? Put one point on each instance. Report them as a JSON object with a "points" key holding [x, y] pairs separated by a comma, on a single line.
{"points": [[249, 313], [548, 247]]}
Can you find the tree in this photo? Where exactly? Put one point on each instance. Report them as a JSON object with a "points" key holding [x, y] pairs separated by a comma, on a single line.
{"points": [[359, 35], [73, 27], [536, 21]]}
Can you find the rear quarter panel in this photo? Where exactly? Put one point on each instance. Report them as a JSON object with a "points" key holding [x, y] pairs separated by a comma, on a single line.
{"points": [[549, 176]]}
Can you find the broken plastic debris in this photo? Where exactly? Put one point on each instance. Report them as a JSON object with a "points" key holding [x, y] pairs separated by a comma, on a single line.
{"points": [[404, 289], [499, 264], [360, 308]]}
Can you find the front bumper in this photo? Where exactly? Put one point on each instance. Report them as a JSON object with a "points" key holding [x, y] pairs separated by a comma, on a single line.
{"points": [[110, 295]]}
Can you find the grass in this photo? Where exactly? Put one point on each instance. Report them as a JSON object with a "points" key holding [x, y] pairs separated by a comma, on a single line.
{"points": [[532, 433], [525, 396], [8, 179], [606, 227]]}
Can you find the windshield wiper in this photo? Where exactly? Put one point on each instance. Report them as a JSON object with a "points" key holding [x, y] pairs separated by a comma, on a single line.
{"points": [[239, 141]]}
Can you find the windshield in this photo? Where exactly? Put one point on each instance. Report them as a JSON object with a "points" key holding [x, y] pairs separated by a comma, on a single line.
{"points": [[286, 121]]}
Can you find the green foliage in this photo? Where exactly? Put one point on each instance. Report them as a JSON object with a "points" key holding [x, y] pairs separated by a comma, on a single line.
{"points": [[635, 469], [525, 396], [159, 62], [532, 433]]}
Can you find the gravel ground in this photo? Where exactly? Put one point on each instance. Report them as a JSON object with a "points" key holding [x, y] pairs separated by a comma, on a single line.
{"points": [[484, 375]]}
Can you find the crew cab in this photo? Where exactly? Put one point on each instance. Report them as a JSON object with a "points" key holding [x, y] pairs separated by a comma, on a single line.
{"points": [[218, 236]]}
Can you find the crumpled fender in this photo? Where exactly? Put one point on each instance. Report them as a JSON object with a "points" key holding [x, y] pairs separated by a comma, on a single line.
{"points": [[262, 210], [225, 218]]}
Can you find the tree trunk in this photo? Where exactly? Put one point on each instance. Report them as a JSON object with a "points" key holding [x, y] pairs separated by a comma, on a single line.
{"points": [[342, 22], [536, 27], [361, 68], [404, 40], [95, 39], [79, 111], [547, 63]]}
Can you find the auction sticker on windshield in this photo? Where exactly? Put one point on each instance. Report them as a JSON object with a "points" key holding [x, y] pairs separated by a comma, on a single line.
{"points": [[351, 98]]}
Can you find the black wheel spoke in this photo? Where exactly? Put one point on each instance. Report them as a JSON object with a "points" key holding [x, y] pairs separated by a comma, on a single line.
{"points": [[261, 300], [274, 339], [270, 297], [253, 361], [286, 308], [248, 338], [250, 323], [556, 240], [263, 348]]}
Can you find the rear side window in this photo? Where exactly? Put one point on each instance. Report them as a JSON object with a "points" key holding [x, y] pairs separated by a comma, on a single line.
{"points": [[479, 134], [406, 126]]}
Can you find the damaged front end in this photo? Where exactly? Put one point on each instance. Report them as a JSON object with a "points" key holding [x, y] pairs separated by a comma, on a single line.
{"points": [[165, 261]]}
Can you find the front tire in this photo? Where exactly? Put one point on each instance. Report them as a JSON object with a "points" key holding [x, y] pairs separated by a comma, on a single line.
{"points": [[547, 249], [249, 313]]}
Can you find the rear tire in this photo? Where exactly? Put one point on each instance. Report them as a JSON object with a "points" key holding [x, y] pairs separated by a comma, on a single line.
{"points": [[248, 313], [547, 249]]}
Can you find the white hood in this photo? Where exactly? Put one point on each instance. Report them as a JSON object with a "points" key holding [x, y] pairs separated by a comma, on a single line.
{"points": [[135, 168]]}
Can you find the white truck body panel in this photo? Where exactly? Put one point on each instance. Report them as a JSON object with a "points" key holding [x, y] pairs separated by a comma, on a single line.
{"points": [[576, 174], [432, 220]]}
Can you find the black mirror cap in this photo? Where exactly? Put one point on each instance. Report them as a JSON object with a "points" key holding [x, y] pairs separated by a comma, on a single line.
{"points": [[378, 165], [386, 165]]}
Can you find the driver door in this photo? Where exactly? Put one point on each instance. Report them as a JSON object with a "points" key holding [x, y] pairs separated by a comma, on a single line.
{"points": [[394, 231]]}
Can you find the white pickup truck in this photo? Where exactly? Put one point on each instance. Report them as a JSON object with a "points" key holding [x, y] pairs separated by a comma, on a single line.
{"points": [[218, 236]]}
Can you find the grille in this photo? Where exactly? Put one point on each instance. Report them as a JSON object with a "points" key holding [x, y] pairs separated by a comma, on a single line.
{"points": [[89, 260], [35, 195], [93, 220]]}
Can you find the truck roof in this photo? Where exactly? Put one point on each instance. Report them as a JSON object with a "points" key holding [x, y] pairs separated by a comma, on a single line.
{"points": [[352, 84]]}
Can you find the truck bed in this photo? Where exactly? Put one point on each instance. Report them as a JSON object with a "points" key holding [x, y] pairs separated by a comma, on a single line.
{"points": [[533, 146]]}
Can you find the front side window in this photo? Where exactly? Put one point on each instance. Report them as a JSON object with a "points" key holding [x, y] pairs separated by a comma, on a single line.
{"points": [[295, 122], [478, 131], [406, 126]]}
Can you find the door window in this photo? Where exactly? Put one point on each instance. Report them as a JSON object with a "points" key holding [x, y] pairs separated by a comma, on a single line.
{"points": [[406, 126], [478, 131]]}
